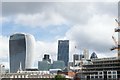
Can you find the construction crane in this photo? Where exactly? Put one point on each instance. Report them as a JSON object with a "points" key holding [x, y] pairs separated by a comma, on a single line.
{"points": [[118, 28], [116, 42], [117, 22]]}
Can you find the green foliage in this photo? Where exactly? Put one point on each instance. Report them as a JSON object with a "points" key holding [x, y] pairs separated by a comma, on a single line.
{"points": [[60, 77]]}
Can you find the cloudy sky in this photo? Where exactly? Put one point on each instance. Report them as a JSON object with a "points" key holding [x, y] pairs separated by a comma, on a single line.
{"points": [[88, 25]]}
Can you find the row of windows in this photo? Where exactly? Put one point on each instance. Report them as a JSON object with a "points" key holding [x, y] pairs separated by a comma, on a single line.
{"points": [[102, 66], [110, 74]]}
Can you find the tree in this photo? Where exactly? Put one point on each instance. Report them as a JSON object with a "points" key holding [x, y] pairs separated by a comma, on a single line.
{"points": [[60, 77]]}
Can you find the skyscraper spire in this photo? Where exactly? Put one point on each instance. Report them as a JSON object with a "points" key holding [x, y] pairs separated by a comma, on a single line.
{"points": [[20, 68]]}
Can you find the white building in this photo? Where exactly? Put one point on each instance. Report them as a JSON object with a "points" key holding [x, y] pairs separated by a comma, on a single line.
{"points": [[2, 68], [86, 53]]}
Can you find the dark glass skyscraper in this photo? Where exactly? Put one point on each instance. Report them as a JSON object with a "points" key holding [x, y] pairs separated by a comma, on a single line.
{"points": [[21, 48], [93, 55], [63, 51]]}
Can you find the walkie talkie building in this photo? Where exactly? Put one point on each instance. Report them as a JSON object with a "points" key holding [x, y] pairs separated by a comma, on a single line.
{"points": [[21, 48]]}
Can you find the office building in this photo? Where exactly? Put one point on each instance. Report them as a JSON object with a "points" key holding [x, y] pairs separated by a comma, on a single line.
{"points": [[63, 51], [81, 56], [86, 53], [43, 65], [76, 57], [2, 68], [93, 56], [21, 48], [47, 58], [58, 65], [101, 68], [104, 68], [70, 64], [27, 75]]}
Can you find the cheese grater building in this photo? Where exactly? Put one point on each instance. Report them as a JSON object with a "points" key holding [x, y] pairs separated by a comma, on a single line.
{"points": [[21, 48]]}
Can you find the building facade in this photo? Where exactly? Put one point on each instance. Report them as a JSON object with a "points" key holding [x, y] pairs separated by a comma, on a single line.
{"points": [[44, 65], [86, 53], [101, 68], [93, 55], [47, 58], [58, 65], [21, 48], [76, 57], [2, 68], [63, 51]]}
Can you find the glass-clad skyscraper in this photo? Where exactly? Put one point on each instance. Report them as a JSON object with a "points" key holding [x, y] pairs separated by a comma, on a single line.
{"points": [[63, 51], [93, 55], [21, 48]]}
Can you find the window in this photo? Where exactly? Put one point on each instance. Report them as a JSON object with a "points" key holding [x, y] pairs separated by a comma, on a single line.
{"points": [[109, 76], [92, 76], [114, 72], [100, 76], [114, 76], [100, 72], [96, 76], [109, 72]]}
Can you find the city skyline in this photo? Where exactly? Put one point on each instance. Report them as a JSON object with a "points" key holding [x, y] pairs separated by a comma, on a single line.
{"points": [[87, 25]]}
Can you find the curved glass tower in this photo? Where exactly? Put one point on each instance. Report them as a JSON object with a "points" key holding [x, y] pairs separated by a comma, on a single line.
{"points": [[93, 55], [21, 48]]}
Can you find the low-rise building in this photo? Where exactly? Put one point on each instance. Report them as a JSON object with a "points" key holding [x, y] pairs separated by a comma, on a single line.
{"points": [[102, 68], [44, 65], [58, 65]]}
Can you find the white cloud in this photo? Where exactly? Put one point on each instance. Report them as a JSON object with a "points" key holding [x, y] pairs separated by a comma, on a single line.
{"points": [[42, 48], [4, 50], [44, 14], [4, 19], [4, 46], [39, 19], [96, 35]]}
